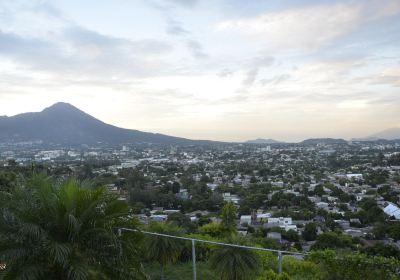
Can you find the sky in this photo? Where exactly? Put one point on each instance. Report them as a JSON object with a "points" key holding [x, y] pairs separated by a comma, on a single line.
{"points": [[227, 70]]}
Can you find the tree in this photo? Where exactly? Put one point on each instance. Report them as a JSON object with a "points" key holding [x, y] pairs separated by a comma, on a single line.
{"points": [[310, 232], [290, 235], [183, 221], [8, 181], [271, 275], [66, 231], [332, 240], [354, 266], [212, 229], [228, 216], [380, 249], [233, 263], [163, 250]]}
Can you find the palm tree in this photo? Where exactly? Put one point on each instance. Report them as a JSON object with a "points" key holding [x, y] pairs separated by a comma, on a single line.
{"points": [[233, 263], [66, 231], [163, 250]]}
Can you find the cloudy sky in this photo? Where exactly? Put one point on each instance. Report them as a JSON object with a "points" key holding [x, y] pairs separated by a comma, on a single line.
{"points": [[208, 69]]}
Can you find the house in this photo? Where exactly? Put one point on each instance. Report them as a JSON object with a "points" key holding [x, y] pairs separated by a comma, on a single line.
{"points": [[228, 197], [283, 223], [280, 220], [262, 217], [245, 219], [392, 210], [159, 218], [322, 205]]}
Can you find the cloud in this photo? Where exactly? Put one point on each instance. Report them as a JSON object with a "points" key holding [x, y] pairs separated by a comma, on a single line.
{"points": [[255, 66], [176, 28], [225, 73], [83, 53], [185, 3], [81, 37], [276, 79], [308, 27], [196, 49]]}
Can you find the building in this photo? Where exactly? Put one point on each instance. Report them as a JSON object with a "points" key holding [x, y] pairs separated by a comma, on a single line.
{"points": [[392, 210]]}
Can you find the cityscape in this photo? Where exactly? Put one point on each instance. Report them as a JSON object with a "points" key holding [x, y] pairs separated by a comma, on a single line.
{"points": [[199, 140]]}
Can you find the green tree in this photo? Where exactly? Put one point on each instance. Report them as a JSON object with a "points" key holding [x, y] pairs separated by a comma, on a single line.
{"points": [[66, 231], [310, 232], [163, 250], [333, 240], [233, 263], [228, 216], [355, 266], [8, 181], [271, 275], [212, 229]]}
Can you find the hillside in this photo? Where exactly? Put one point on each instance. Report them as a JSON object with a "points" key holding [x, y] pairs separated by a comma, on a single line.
{"points": [[262, 141], [63, 123], [388, 134]]}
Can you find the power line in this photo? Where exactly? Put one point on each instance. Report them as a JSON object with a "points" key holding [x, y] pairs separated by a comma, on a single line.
{"points": [[194, 240], [214, 242]]}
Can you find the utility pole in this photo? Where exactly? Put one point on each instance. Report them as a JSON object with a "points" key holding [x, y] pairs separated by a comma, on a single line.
{"points": [[194, 259]]}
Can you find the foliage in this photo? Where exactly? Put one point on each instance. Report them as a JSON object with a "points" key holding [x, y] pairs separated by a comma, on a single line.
{"points": [[355, 266], [383, 250], [310, 232], [228, 216], [213, 230], [181, 271], [330, 240], [271, 275], [233, 263], [8, 181], [163, 250], [301, 269], [66, 231]]}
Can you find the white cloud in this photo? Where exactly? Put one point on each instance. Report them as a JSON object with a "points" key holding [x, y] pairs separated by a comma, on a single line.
{"points": [[308, 27]]}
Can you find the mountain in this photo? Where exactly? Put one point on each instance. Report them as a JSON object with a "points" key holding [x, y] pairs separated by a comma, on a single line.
{"points": [[388, 134], [63, 123], [315, 141], [262, 141]]}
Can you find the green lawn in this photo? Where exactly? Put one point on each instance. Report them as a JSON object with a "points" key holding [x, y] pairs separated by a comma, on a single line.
{"points": [[180, 271]]}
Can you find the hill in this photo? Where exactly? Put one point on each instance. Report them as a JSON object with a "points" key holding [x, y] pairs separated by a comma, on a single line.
{"points": [[388, 134], [262, 141], [63, 123], [315, 141]]}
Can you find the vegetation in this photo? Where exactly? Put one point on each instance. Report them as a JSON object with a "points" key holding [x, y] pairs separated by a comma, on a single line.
{"points": [[66, 231], [161, 249], [232, 263]]}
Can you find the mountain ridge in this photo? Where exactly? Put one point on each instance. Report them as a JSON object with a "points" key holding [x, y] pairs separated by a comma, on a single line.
{"points": [[63, 123], [262, 141]]}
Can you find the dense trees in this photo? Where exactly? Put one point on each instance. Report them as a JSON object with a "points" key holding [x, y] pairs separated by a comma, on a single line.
{"points": [[310, 232], [8, 180], [66, 231], [354, 266], [333, 240]]}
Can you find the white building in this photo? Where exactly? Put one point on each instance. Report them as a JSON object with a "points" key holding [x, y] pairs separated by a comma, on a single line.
{"points": [[280, 220], [392, 210], [228, 197], [245, 219]]}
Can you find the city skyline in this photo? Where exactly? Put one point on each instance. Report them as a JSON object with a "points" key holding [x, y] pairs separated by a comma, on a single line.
{"points": [[218, 70]]}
